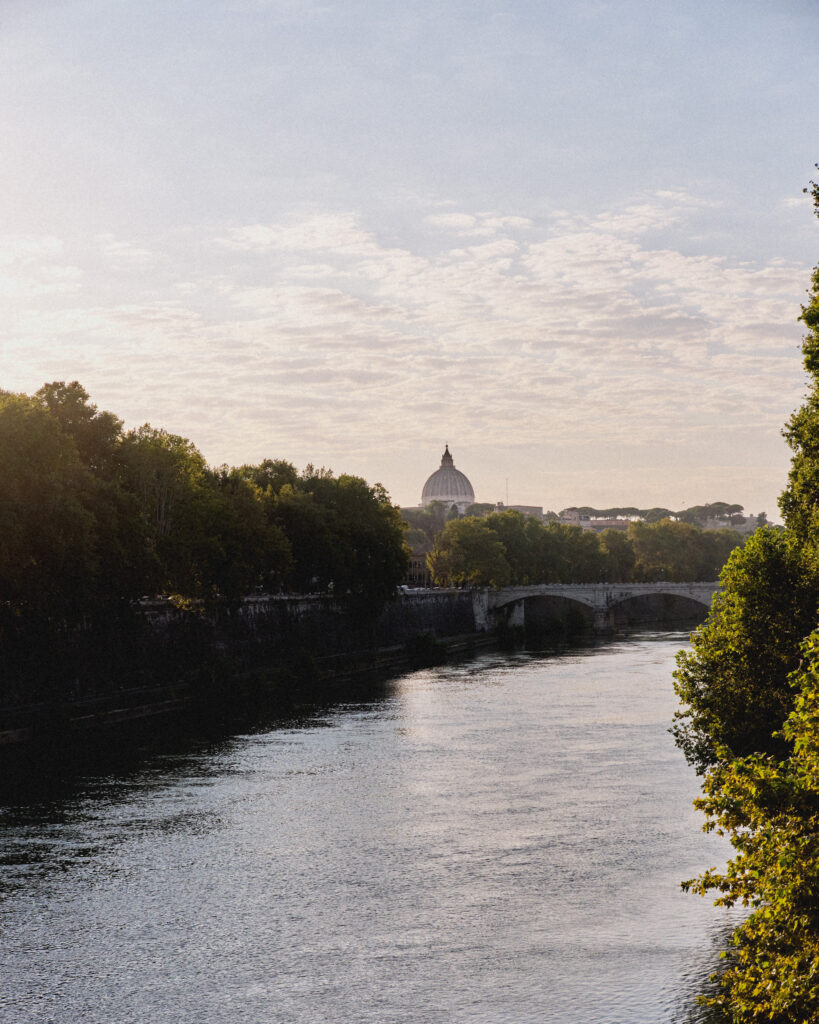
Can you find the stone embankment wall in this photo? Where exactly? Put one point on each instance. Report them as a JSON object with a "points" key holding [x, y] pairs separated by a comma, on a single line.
{"points": [[318, 620], [159, 657]]}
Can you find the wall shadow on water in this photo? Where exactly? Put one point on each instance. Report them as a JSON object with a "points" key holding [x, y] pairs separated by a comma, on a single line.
{"points": [[659, 610], [554, 621], [223, 704]]}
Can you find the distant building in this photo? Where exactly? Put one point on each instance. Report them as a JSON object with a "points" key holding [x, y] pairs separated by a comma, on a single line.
{"points": [[530, 511], [418, 574], [448, 485], [598, 525], [586, 522], [744, 525]]}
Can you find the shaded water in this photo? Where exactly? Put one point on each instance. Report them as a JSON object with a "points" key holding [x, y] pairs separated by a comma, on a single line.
{"points": [[500, 841]]}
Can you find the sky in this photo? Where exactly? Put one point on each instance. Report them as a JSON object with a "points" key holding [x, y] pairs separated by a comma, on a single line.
{"points": [[569, 240]]}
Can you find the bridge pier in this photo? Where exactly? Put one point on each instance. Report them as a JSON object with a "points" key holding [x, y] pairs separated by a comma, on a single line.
{"points": [[516, 615], [603, 620]]}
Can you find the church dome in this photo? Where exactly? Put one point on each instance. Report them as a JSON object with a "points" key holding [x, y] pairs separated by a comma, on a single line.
{"points": [[448, 484]]}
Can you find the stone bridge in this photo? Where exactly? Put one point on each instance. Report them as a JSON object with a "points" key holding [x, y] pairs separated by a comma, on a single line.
{"points": [[507, 605]]}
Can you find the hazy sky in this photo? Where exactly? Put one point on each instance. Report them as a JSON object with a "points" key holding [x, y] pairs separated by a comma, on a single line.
{"points": [[569, 239]]}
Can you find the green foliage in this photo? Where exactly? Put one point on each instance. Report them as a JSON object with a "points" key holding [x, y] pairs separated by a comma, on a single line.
{"points": [[799, 502], [480, 508], [509, 528], [769, 807], [430, 520], [618, 554], [734, 681], [602, 513], [91, 516], [270, 475], [467, 551], [96, 434], [656, 515], [46, 526], [345, 533], [553, 552], [241, 549], [678, 551], [167, 475], [713, 510]]}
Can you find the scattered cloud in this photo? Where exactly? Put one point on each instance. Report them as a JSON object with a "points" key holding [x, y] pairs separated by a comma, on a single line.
{"points": [[318, 232], [116, 249], [476, 225], [315, 336], [795, 202]]}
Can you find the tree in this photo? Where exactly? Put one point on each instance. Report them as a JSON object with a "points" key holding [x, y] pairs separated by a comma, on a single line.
{"points": [[96, 434], [769, 807], [664, 550], [550, 551], [583, 560], [467, 551], [510, 529], [371, 539], [166, 473], [734, 681], [47, 556], [241, 550], [270, 475], [799, 502], [618, 556], [343, 533], [654, 515], [480, 508], [680, 552], [698, 514]]}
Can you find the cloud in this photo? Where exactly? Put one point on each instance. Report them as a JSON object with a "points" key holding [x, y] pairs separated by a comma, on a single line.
{"points": [[476, 225], [456, 221], [123, 251], [795, 202], [34, 268], [313, 338], [318, 232]]}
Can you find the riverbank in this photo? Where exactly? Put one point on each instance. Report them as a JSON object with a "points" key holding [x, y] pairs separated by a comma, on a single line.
{"points": [[217, 697]]}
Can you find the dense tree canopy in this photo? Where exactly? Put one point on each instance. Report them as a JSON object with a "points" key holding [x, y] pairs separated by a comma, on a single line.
{"points": [[507, 546], [735, 681], [47, 541], [91, 515], [769, 806], [467, 551]]}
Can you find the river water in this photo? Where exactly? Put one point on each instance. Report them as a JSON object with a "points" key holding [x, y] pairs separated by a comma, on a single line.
{"points": [[498, 841]]}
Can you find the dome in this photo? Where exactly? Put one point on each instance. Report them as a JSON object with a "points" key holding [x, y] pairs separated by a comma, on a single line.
{"points": [[448, 484]]}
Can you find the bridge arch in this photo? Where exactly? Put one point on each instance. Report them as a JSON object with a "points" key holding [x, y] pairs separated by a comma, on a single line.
{"points": [[658, 607], [557, 616], [604, 604]]}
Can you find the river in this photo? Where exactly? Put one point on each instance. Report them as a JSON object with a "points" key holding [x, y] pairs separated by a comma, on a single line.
{"points": [[498, 842]]}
